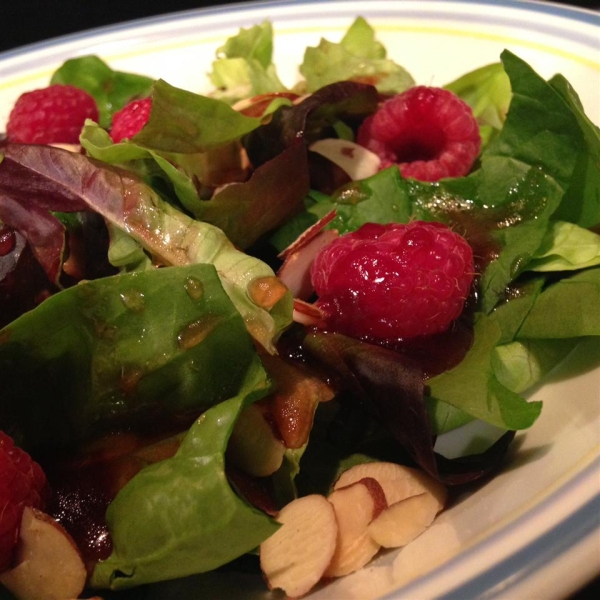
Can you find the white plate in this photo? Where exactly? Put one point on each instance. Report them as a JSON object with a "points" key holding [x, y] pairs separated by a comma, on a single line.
{"points": [[533, 530]]}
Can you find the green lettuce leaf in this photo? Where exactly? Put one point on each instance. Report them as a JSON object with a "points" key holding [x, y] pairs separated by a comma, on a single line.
{"points": [[125, 253], [535, 341], [98, 144], [273, 194], [129, 348], [190, 520], [576, 299], [244, 66], [566, 247], [487, 91], [514, 348], [181, 121], [523, 364], [473, 387], [111, 89], [358, 56]]}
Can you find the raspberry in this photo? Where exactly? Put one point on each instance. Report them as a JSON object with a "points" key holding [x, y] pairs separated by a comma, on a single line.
{"points": [[429, 132], [393, 282], [51, 115], [130, 119], [22, 483]]}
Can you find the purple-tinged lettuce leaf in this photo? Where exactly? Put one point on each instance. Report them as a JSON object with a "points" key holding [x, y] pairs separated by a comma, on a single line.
{"points": [[23, 282], [389, 391], [390, 388], [44, 233], [274, 193], [168, 235], [183, 173], [469, 468], [243, 210], [311, 119]]}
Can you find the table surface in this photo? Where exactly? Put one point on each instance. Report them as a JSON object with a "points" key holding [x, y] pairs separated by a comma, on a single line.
{"points": [[29, 21]]}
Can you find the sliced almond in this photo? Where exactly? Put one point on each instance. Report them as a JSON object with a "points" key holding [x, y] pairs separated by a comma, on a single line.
{"points": [[49, 565], [295, 557], [357, 161], [295, 270], [403, 521], [398, 482], [355, 507]]}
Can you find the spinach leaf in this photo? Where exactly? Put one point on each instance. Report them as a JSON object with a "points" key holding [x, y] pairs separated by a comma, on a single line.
{"points": [[111, 89]]}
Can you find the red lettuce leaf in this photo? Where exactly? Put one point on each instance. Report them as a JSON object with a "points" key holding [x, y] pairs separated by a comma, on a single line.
{"points": [[44, 233], [387, 384], [391, 388], [274, 193], [23, 283], [464, 469], [37, 183], [311, 119]]}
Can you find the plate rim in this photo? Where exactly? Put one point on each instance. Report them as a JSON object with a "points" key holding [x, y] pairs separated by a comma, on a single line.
{"points": [[570, 12], [495, 581]]}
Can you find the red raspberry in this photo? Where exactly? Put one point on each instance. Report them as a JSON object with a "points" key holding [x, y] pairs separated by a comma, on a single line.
{"points": [[395, 281], [52, 115], [22, 483], [130, 119], [429, 132]]}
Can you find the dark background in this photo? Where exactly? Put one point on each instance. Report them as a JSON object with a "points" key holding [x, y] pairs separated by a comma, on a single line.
{"points": [[27, 21]]}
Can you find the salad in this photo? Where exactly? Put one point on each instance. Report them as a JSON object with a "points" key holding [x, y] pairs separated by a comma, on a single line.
{"points": [[165, 356]]}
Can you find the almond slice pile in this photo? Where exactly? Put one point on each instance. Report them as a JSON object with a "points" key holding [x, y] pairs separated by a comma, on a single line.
{"points": [[372, 505]]}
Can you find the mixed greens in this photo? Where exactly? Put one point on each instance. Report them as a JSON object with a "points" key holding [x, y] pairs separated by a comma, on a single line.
{"points": [[148, 251]]}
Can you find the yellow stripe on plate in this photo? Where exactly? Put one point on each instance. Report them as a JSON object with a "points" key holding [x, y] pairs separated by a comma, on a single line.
{"points": [[429, 30]]}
